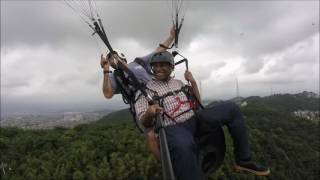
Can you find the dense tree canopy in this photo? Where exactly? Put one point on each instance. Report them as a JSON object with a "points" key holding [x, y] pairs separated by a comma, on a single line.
{"points": [[113, 148]]}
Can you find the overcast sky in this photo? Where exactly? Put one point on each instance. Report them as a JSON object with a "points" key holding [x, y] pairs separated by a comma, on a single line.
{"points": [[50, 61]]}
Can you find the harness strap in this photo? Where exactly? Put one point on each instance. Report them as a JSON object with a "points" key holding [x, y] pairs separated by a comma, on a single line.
{"points": [[128, 92], [180, 104], [192, 103], [171, 93]]}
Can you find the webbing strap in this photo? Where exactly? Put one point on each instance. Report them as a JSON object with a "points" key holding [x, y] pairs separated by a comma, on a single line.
{"points": [[128, 93], [192, 104], [180, 104]]}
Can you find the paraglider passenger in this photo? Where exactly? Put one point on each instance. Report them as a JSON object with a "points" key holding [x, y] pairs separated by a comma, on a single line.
{"points": [[180, 124]]}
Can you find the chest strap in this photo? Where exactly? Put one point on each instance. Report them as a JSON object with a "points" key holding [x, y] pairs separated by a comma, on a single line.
{"points": [[192, 103]]}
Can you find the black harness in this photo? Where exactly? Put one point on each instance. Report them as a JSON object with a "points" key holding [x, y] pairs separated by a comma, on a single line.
{"points": [[128, 92]]}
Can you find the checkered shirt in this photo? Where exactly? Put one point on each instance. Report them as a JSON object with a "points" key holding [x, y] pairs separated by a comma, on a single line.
{"points": [[170, 103]]}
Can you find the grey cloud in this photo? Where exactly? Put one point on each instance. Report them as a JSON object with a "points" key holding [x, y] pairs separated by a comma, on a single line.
{"points": [[15, 83], [225, 30], [35, 22], [64, 79], [233, 22], [203, 72], [253, 65], [301, 55], [226, 89], [257, 29], [93, 80], [278, 80]]}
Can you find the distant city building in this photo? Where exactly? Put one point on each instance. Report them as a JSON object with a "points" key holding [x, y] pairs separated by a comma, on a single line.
{"points": [[310, 115], [244, 104], [51, 120]]}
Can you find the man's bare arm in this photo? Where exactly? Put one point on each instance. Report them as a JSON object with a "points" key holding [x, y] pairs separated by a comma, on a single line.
{"points": [[167, 43], [195, 90], [189, 77], [106, 85], [106, 62]]}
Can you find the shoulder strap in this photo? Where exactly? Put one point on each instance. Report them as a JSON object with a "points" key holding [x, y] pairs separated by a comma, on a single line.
{"points": [[183, 89], [128, 93], [123, 84]]}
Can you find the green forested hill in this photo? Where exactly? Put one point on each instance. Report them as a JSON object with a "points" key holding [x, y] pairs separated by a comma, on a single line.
{"points": [[287, 102], [113, 148], [117, 117]]}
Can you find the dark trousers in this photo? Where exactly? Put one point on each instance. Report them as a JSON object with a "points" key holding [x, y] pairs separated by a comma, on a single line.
{"points": [[182, 146]]}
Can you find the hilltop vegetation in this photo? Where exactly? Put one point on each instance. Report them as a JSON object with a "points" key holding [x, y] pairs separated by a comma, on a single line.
{"points": [[112, 148], [287, 102]]}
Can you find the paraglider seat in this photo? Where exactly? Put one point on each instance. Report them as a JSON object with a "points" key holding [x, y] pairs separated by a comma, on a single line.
{"points": [[211, 148]]}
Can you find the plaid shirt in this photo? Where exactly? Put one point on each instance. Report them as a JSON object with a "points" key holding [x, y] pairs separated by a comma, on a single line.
{"points": [[171, 104]]}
